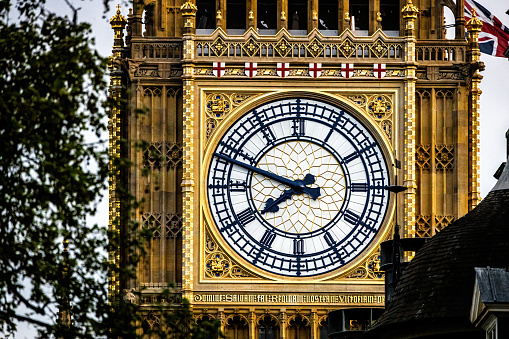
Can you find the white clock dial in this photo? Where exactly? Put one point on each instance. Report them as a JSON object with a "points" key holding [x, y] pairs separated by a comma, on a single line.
{"points": [[295, 159], [296, 187]]}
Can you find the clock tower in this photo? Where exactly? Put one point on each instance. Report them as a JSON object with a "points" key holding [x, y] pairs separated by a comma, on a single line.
{"points": [[270, 132]]}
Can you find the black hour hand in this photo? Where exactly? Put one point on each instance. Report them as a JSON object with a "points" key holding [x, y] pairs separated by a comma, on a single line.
{"points": [[271, 205]]}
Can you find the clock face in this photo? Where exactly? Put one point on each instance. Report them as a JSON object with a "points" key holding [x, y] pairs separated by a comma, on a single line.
{"points": [[295, 187]]}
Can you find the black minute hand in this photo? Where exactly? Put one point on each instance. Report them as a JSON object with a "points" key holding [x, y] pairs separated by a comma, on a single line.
{"points": [[297, 185]]}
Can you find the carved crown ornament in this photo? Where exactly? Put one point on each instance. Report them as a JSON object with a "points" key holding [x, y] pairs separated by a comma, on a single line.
{"points": [[218, 106], [380, 107], [219, 265]]}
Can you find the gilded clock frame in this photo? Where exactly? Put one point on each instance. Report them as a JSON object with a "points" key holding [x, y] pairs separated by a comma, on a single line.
{"points": [[207, 223]]}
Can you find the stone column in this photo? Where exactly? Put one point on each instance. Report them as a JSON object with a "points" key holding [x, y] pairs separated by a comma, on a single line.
{"points": [[409, 13], [314, 325], [460, 19], [117, 93], [282, 325], [188, 11], [282, 9], [474, 26], [251, 319]]}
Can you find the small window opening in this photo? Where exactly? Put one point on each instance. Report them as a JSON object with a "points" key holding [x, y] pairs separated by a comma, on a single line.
{"points": [[148, 20], [298, 17], [205, 15], [328, 17], [359, 15], [267, 17], [389, 10], [449, 29], [236, 16]]}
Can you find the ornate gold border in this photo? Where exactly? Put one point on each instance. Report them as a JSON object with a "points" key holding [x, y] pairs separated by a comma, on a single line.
{"points": [[206, 216]]}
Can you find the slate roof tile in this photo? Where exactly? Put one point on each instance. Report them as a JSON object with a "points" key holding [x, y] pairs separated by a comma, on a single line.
{"points": [[435, 290]]}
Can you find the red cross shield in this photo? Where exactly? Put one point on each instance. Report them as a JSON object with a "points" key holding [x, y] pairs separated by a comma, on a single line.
{"points": [[250, 69], [315, 69], [283, 68], [346, 70], [379, 70], [218, 69]]}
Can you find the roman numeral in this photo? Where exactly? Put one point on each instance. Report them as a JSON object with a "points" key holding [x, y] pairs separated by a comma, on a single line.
{"points": [[359, 187], [298, 246], [268, 134], [234, 150], [246, 216], [351, 217], [339, 119], [237, 186], [298, 127], [329, 239], [350, 157], [217, 186], [267, 239]]}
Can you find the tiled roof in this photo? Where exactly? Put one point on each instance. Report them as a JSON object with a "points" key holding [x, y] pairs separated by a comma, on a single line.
{"points": [[493, 284], [434, 294]]}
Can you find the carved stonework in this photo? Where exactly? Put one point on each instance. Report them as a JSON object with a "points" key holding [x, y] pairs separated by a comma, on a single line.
{"points": [[150, 322], [218, 47], [174, 155], [315, 48], [422, 226], [130, 296], [219, 105], [251, 47], [444, 157], [153, 222], [152, 92], [173, 224], [359, 99], [379, 48], [380, 106], [442, 221], [423, 157], [151, 72], [368, 270], [347, 48], [159, 299], [219, 265], [238, 99], [283, 47], [153, 155]]}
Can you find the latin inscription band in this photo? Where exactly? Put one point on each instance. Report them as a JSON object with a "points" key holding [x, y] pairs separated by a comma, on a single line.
{"points": [[291, 298]]}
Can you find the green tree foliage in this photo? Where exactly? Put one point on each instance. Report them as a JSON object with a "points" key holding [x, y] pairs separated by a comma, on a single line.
{"points": [[52, 90], [51, 84]]}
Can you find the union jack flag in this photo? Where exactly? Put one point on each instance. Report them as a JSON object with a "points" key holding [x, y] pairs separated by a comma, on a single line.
{"points": [[494, 36]]}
